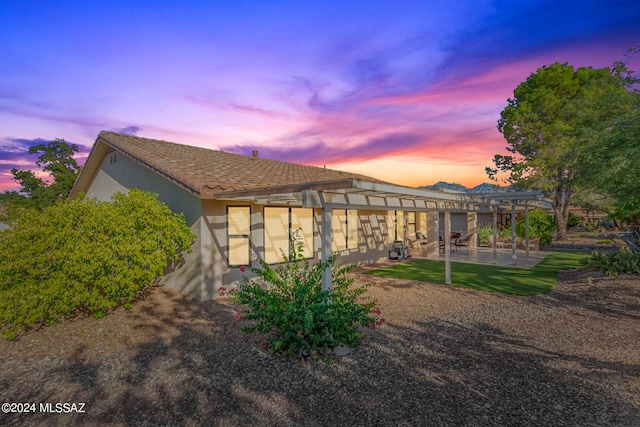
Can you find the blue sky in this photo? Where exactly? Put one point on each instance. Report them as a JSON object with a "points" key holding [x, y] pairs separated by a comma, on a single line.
{"points": [[409, 92]]}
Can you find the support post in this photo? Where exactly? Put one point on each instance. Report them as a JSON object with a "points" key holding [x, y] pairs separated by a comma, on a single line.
{"points": [[472, 228], [526, 230], [447, 247], [433, 235], [513, 233], [325, 247], [494, 252]]}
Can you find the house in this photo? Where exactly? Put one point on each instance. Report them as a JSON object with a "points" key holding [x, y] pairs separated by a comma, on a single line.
{"points": [[245, 208]]}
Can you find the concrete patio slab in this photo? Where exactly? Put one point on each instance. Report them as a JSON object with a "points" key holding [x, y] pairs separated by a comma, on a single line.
{"points": [[485, 256]]}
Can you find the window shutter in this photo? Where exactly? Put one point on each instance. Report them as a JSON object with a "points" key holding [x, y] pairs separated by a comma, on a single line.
{"points": [[352, 229], [276, 234], [302, 222]]}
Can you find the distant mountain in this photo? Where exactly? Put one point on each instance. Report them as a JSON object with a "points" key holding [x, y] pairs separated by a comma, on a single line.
{"points": [[441, 185], [485, 187], [482, 188]]}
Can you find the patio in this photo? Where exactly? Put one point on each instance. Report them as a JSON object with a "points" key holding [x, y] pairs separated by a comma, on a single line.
{"points": [[483, 255]]}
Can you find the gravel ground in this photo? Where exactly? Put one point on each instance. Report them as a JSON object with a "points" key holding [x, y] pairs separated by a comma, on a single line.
{"points": [[445, 356]]}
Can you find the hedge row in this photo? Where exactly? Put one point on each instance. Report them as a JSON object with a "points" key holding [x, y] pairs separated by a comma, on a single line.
{"points": [[84, 256]]}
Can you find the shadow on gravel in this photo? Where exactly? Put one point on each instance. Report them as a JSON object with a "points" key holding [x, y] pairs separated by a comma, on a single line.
{"points": [[439, 372], [595, 295]]}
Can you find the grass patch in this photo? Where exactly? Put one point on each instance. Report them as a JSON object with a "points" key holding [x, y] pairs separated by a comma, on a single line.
{"points": [[509, 280]]}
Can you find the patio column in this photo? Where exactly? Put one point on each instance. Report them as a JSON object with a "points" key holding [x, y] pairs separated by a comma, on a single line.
{"points": [[494, 247], [472, 228], [447, 249], [433, 234], [526, 229], [325, 246], [513, 233]]}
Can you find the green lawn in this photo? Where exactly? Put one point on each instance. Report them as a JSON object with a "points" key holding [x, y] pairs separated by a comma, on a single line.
{"points": [[508, 280]]}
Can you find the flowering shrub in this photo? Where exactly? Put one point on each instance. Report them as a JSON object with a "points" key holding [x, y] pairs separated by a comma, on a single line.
{"points": [[287, 303]]}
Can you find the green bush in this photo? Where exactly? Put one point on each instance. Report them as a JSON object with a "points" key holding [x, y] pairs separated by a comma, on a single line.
{"points": [[288, 304], [504, 232], [612, 264], [574, 220], [84, 256], [540, 225], [485, 234]]}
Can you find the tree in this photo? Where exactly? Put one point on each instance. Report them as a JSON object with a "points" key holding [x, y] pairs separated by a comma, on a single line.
{"points": [[611, 165], [554, 114], [56, 159]]}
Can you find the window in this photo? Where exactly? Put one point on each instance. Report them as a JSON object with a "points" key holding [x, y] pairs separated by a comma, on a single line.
{"points": [[339, 230], [422, 217], [352, 229], [302, 228], [279, 225], [400, 225], [405, 224], [411, 223], [344, 225], [276, 234], [238, 229]]}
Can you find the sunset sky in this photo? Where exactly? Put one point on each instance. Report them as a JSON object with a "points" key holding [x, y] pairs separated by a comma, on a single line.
{"points": [[405, 91]]}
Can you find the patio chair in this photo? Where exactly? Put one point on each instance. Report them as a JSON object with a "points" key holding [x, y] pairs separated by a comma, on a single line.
{"points": [[421, 238], [503, 243], [464, 242], [441, 245], [455, 238], [398, 250], [534, 244]]}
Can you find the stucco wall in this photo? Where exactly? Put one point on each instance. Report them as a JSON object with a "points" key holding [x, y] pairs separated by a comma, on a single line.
{"points": [[118, 173]]}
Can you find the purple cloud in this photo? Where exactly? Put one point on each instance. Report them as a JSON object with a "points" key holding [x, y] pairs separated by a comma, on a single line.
{"points": [[130, 130], [320, 152]]}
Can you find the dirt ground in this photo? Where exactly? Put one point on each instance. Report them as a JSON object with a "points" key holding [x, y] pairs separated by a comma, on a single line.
{"points": [[445, 356]]}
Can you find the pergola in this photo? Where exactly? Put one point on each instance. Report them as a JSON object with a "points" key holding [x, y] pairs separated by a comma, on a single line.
{"points": [[360, 194]]}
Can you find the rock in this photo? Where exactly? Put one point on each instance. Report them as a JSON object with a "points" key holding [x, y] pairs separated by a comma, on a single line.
{"points": [[304, 353], [341, 350]]}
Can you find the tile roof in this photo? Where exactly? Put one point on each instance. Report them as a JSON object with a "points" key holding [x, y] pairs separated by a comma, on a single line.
{"points": [[212, 173]]}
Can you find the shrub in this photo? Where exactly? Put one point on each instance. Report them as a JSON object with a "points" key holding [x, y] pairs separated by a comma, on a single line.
{"points": [[84, 256], [485, 234], [612, 264], [540, 225], [298, 315], [574, 220], [504, 232]]}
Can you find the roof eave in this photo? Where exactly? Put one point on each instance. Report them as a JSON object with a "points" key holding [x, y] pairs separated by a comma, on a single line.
{"points": [[278, 189]]}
